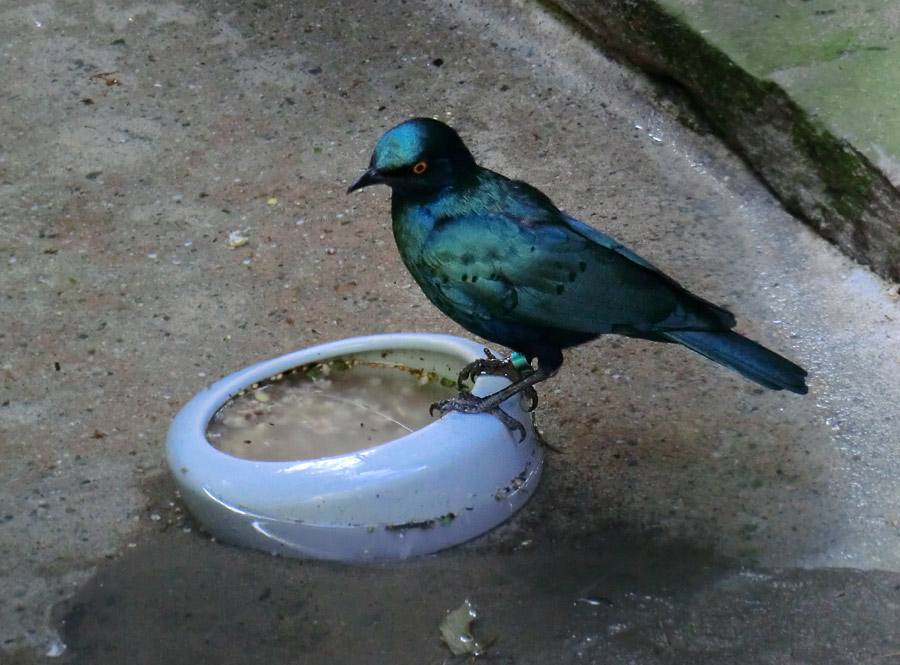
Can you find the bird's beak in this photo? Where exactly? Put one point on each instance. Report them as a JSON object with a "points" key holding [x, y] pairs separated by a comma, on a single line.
{"points": [[370, 177]]}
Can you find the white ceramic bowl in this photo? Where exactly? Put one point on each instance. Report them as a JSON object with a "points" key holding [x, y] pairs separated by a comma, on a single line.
{"points": [[446, 483]]}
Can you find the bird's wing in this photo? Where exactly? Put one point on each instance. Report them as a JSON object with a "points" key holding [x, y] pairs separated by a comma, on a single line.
{"points": [[723, 319], [604, 240], [550, 273]]}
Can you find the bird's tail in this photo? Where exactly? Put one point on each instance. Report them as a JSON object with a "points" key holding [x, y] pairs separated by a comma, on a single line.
{"points": [[744, 356]]}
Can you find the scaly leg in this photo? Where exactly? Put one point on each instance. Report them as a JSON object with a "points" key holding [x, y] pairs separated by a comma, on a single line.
{"points": [[514, 368], [466, 402]]}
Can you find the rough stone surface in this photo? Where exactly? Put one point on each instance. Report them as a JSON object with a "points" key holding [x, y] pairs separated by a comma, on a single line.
{"points": [[679, 486], [806, 91]]}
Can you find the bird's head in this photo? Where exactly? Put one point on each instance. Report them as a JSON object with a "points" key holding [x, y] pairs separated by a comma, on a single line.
{"points": [[418, 156]]}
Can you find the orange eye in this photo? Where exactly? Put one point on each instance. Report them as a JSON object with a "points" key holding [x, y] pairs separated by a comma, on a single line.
{"points": [[420, 168]]}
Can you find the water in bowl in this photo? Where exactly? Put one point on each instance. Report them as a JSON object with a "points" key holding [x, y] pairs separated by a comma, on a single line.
{"points": [[326, 409]]}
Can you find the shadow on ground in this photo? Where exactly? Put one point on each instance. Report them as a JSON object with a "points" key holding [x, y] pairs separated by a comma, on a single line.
{"points": [[624, 597]]}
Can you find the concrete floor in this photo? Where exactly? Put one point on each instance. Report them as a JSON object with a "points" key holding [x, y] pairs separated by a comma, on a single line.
{"points": [[701, 517]]}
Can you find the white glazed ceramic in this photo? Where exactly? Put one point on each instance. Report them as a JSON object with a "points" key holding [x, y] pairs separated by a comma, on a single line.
{"points": [[436, 487]]}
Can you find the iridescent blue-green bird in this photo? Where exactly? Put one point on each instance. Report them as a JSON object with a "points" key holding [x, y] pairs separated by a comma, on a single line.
{"points": [[497, 257]]}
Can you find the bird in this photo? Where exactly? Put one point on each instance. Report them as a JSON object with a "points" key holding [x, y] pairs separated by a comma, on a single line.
{"points": [[498, 257]]}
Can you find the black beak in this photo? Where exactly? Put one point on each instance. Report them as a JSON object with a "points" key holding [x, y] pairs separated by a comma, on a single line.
{"points": [[370, 177]]}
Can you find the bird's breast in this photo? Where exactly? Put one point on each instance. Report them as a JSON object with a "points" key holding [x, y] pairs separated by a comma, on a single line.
{"points": [[411, 227]]}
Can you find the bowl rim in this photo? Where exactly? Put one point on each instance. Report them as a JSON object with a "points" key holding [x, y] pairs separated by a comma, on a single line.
{"points": [[197, 413], [364, 488]]}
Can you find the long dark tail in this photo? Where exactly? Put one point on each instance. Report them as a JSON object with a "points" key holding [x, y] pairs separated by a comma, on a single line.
{"points": [[744, 356]]}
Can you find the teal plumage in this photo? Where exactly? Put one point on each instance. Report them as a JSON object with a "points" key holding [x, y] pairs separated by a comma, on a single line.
{"points": [[497, 256]]}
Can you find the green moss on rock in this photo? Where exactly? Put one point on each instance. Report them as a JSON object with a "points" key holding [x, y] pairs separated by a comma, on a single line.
{"points": [[726, 66]]}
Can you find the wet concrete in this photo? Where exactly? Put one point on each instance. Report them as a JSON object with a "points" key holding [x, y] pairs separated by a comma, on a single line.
{"points": [[624, 598], [760, 517]]}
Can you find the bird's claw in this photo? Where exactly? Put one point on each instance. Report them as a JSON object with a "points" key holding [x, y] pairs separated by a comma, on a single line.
{"points": [[466, 402], [491, 364], [494, 366], [532, 396], [509, 422]]}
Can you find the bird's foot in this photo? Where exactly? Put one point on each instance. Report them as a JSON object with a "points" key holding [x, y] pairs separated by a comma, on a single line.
{"points": [[514, 368], [466, 402]]}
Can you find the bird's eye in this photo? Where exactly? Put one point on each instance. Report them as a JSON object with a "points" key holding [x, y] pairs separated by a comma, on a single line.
{"points": [[419, 168]]}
